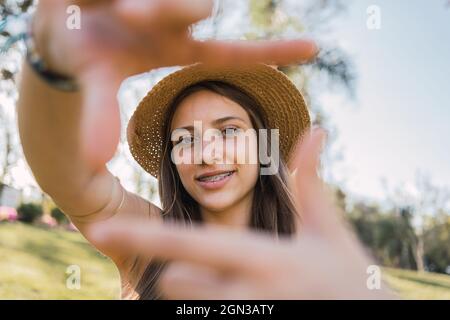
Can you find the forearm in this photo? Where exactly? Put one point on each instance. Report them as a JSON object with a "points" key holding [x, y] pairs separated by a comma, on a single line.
{"points": [[49, 122]]}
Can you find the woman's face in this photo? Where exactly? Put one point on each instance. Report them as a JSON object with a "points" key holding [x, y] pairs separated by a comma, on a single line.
{"points": [[214, 151]]}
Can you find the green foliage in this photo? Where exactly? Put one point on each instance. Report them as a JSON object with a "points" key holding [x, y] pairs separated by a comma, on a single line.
{"points": [[29, 212], [59, 216], [437, 246], [391, 238]]}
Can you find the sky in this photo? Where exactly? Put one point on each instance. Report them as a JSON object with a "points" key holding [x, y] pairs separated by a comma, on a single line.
{"points": [[397, 124]]}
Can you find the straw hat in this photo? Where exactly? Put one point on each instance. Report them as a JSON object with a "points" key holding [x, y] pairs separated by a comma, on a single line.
{"points": [[281, 103]]}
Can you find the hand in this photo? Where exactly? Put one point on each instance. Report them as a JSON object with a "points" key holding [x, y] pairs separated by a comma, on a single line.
{"points": [[325, 262], [119, 38]]}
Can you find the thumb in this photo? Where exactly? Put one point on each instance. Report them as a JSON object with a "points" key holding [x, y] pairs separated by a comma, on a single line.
{"points": [[307, 152], [100, 119], [312, 200]]}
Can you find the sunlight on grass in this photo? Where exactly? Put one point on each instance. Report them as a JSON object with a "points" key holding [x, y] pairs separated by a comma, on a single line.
{"points": [[415, 285], [34, 260]]}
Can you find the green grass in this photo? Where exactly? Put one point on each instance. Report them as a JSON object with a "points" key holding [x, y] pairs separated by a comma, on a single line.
{"points": [[416, 285], [34, 260]]}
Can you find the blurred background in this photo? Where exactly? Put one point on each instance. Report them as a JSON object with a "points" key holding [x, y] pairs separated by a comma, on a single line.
{"points": [[380, 86]]}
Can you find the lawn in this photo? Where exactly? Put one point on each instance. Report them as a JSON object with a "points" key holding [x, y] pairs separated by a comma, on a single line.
{"points": [[415, 285], [34, 261]]}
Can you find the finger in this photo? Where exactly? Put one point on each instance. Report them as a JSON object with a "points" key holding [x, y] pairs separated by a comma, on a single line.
{"points": [[313, 200], [172, 13], [279, 52], [216, 247], [307, 154], [82, 3], [100, 118], [187, 281], [183, 281]]}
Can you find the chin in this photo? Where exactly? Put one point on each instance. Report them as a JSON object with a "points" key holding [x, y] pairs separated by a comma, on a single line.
{"points": [[215, 207], [217, 204]]}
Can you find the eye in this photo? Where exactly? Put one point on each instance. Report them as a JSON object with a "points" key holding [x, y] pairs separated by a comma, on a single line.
{"points": [[185, 140], [230, 132]]}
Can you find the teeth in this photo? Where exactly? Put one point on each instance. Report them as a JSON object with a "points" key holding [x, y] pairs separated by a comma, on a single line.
{"points": [[216, 177]]}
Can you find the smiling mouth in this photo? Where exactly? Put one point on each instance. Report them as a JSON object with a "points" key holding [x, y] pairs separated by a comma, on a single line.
{"points": [[216, 177]]}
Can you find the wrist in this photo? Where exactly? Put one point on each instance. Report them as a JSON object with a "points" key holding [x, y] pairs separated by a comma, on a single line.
{"points": [[38, 52], [41, 30]]}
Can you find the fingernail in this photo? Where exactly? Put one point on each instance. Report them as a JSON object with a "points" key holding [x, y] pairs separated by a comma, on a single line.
{"points": [[315, 48]]}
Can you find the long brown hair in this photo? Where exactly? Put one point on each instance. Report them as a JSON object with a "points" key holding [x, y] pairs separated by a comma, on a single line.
{"points": [[273, 210]]}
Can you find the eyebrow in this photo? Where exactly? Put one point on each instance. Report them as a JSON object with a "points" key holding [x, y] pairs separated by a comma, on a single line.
{"points": [[215, 122]]}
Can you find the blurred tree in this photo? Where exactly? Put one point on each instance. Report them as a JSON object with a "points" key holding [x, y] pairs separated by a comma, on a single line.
{"points": [[426, 200], [413, 234], [437, 243], [29, 212], [9, 68], [389, 236], [59, 216], [340, 198]]}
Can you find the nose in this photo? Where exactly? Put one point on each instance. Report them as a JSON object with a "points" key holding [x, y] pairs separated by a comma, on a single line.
{"points": [[212, 150]]}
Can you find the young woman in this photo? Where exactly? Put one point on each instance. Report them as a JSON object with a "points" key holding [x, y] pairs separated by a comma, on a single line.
{"points": [[224, 187], [68, 137]]}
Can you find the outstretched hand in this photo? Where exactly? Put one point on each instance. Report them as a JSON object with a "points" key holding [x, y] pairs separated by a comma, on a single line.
{"points": [[325, 261]]}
